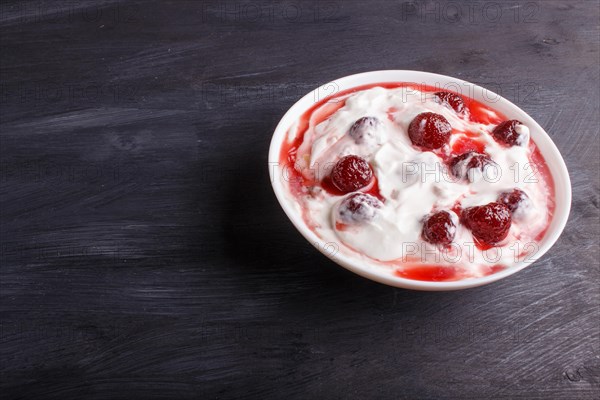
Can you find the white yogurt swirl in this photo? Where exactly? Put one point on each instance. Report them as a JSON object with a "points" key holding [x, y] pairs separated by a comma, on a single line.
{"points": [[414, 183]]}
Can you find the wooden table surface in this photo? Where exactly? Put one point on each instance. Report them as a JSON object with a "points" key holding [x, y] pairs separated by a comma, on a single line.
{"points": [[144, 255]]}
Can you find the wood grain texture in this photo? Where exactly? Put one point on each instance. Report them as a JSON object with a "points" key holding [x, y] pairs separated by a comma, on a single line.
{"points": [[144, 254]]}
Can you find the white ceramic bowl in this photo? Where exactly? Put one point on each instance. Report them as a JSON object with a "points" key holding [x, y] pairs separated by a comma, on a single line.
{"points": [[548, 149]]}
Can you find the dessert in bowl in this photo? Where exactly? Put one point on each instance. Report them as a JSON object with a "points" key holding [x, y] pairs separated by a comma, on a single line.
{"points": [[419, 180]]}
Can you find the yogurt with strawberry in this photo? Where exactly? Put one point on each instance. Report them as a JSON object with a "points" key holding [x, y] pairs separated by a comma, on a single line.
{"points": [[428, 184]]}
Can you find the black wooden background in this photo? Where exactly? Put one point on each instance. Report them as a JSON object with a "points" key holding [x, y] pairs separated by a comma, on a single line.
{"points": [[144, 254]]}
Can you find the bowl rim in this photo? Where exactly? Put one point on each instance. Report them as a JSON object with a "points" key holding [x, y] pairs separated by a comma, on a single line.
{"points": [[546, 145]]}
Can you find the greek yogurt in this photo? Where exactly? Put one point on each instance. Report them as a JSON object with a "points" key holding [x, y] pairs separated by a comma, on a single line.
{"points": [[476, 158]]}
